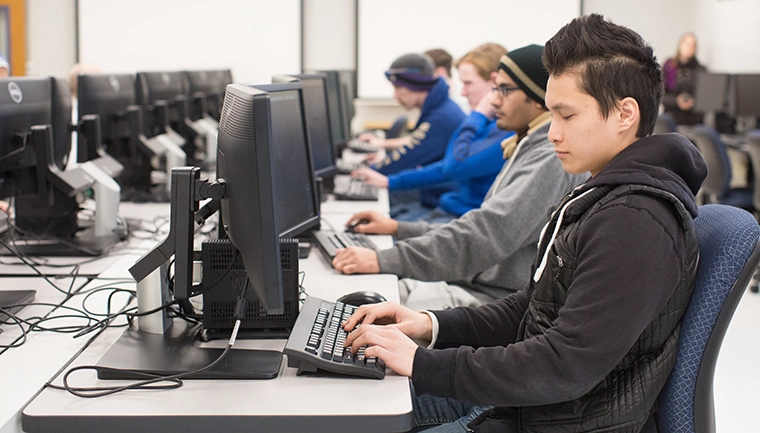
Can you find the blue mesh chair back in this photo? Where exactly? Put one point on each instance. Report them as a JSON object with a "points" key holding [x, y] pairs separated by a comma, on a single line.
{"points": [[729, 253]]}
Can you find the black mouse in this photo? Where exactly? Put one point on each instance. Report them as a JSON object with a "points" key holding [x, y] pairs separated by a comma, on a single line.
{"points": [[350, 227], [362, 297]]}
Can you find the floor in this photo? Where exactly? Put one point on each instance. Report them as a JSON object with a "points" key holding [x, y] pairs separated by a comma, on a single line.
{"points": [[737, 374]]}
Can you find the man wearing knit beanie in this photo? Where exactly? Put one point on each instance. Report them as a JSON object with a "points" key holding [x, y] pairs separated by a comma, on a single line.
{"points": [[487, 253], [415, 86]]}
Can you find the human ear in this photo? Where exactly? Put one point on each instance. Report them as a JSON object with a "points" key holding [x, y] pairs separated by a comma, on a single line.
{"points": [[628, 113]]}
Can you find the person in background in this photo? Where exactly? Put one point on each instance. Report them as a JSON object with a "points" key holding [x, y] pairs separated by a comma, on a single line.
{"points": [[473, 155], [416, 87], [443, 62], [5, 67], [486, 253], [680, 76], [588, 345]]}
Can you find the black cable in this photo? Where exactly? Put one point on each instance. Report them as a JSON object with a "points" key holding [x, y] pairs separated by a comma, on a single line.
{"points": [[17, 321]]}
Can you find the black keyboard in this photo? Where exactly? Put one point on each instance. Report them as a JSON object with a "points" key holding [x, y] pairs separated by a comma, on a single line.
{"points": [[329, 241], [316, 342], [346, 188]]}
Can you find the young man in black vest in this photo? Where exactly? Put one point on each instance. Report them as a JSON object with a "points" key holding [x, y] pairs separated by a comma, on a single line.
{"points": [[589, 343]]}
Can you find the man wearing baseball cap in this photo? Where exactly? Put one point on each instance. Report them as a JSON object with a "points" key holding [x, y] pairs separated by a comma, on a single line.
{"points": [[485, 254], [416, 86]]}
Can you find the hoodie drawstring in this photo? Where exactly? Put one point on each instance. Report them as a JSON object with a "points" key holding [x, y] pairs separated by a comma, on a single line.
{"points": [[545, 259]]}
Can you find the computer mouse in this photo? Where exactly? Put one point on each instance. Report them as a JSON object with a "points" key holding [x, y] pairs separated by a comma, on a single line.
{"points": [[350, 228], [362, 297]]}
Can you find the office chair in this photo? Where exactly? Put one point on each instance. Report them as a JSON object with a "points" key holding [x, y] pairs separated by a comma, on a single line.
{"points": [[716, 187], [398, 128], [729, 253], [665, 123], [753, 148]]}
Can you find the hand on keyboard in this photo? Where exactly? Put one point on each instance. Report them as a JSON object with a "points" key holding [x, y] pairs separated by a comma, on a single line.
{"points": [[392, 344], [356, 260], [370, 176]]}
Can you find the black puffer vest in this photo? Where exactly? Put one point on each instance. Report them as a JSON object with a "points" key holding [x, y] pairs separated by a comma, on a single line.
{"points": [[623, 401]]}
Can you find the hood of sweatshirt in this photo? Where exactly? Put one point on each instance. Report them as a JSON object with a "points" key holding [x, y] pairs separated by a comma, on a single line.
{"points": [[666, 161], [438, 95]]}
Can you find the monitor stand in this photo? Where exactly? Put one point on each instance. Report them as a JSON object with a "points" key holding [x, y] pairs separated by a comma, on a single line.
{"points": [[177, 351], [162, 346]]}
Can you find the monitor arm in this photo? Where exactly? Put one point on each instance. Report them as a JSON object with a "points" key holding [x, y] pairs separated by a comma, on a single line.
{"points": [[188, 189]]}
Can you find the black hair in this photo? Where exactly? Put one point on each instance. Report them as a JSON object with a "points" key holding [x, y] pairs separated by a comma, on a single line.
{"points": [[613, 62]]}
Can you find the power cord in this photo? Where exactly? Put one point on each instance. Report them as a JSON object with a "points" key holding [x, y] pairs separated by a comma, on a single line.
{"points": [[152, 379]]}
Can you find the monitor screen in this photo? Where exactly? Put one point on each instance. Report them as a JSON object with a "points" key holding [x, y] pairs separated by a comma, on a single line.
{"points": [[710, 92], [318, 119], [246, 162], [747, 91], [297, 206]]}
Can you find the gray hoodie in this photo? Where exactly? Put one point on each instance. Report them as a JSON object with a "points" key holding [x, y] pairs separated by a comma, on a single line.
{"points": [[488, 250]]}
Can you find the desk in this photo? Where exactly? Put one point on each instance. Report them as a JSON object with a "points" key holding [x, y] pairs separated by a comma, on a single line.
{"points": [[40, 357], [307, 403], [93, 266]]}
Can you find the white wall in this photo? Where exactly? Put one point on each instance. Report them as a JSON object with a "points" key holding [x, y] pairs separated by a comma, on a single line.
{"points": [[254, 38], [390, 28], [329, 34], [729, 33], [51, 37], [659, 22], [727, 30]]}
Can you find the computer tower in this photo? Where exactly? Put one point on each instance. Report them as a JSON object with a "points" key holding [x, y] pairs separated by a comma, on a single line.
{"points": [[228, 279]]}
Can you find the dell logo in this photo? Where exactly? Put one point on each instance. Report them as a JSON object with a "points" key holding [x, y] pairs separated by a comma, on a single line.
{"points": [[114, 82], [15, 91]]}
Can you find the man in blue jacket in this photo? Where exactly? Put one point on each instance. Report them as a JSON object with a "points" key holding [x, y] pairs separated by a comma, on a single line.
{"points": [[473, 155], [416, 87]]}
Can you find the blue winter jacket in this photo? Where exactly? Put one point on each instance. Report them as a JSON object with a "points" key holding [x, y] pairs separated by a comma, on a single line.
{"points": [[473, 158], [439, 118]]}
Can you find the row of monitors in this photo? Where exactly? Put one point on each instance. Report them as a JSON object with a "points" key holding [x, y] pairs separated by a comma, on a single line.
{"points": [[734, 94], [274, 140]]}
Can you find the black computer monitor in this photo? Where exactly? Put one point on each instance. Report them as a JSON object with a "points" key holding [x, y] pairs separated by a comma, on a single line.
{"points": [[336, 104], [296, 197], [109, 96], [247, 162], [43, 195], [318, 119], [156, 90], [746, 93], [24, 102], [348, 85], [710, 93], [205, 91], [120, 133], [60, 120]]}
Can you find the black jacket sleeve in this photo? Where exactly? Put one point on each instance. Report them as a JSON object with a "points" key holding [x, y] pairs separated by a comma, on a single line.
{"points": [[629, 263]]}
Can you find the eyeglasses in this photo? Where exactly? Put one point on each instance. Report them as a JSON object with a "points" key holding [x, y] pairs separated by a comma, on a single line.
{"points": [[503, 91]]}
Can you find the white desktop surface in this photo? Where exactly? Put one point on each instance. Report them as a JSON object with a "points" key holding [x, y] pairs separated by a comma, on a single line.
{"points": [[153, 217], [288, 403], [24, 369]]}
